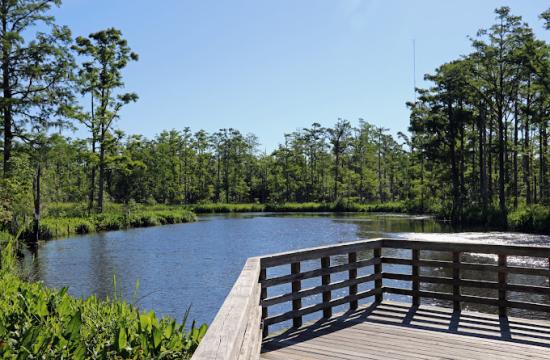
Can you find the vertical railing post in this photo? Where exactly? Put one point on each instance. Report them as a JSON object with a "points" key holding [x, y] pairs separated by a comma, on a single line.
{"points": [[263, 296], [415, 277], [325, 280], [456, 281], [379, 297], [352, 259], [502, 275], [296, 286]]}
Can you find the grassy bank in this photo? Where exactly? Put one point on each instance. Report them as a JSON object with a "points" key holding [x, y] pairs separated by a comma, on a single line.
{"points": [[37, 322], [341, 206], [70, 219]]}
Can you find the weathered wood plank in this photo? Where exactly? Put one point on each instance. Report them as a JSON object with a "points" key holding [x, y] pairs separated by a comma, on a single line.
{"points": [[285, 279], [502, 262], [296, 287], [318, 252], [378, 271], [224, 339], [456, 280], [318, 307], [386, 337], [352, 275], [318, 290], [468, 266], [263, 295], [325, 281], [415, 273], [466, 246]]}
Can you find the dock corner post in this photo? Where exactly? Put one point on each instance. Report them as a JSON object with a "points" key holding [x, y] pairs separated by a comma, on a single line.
{"points": [[296, 287], [263, 296], [456, 281], [502, 275], [415, 277], [379, 297], [325, 281], [352, 274]]}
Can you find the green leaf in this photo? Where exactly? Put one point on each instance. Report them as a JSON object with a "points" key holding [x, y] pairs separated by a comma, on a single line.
{"points": [[169, 329], [74, 326], [79, 353], [157, 337], [122, 339]]}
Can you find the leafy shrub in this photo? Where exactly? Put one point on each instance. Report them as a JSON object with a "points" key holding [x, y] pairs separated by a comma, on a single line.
{"points": [[535, 218]]}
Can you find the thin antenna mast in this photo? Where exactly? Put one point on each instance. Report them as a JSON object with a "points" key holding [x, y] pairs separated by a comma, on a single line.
{"points": [[414, 69]]}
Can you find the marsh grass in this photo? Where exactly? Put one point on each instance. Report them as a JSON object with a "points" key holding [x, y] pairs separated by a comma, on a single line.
{"points": [[68, 219]]}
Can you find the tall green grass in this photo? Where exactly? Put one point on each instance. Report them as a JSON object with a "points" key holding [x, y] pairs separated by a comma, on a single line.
{"points": [[338, 206], [53, 227]]}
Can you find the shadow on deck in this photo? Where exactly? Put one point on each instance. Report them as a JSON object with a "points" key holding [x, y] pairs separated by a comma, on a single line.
{"points": [[400, 331]]}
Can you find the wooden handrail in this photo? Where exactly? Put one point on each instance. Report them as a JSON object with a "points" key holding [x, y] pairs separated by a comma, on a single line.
{"points": [[245, 316], [235, 331]]}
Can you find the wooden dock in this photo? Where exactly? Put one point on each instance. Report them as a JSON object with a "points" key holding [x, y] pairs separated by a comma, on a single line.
{"points": [[396, 331], [376, 329]]}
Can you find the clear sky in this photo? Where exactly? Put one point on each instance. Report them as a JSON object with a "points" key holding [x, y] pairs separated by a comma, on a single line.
{"points": [[271, 67]]}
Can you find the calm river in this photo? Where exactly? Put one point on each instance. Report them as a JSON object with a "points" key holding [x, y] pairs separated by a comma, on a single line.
{"points": [[195, 264]]}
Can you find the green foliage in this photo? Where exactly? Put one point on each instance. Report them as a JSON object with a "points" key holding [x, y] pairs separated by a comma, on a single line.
{"points": [[534, 218], [37, 322]]}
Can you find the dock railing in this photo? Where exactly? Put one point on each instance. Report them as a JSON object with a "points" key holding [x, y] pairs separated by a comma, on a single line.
{"points": [[245, 317]]}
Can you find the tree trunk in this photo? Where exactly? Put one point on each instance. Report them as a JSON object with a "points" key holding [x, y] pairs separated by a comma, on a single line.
{"points": [[7, 106], [542, 162], [380, 194], [515, 175], [37, 203], [455, 216], [501, 168], [91, 193], [101, 176], [483, 164], [526, 147]]}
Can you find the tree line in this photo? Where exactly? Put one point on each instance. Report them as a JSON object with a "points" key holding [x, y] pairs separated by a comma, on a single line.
{"points": [[477, 146], [482, 127]]}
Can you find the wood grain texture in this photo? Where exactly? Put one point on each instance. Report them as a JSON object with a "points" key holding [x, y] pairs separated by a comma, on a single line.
{"points": [[236, 328], [401, 332]]}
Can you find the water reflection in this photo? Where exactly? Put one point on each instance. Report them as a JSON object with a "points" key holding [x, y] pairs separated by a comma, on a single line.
{"points": [[196, 264]]}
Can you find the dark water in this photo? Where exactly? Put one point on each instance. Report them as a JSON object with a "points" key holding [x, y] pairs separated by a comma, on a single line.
{"points": [[196, 264]]}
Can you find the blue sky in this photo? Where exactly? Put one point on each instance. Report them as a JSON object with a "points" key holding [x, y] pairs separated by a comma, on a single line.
{"points": [[271, 67]]}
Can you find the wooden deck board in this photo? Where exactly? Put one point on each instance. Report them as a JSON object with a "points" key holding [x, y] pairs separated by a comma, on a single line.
{"points": [[395, 331]]}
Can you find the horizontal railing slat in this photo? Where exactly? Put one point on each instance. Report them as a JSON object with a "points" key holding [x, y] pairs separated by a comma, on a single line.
{"points": [[442, 296], [317, 253], [318, 290], [469, 247], [317, 272], [467, 266], [318, 307]]}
